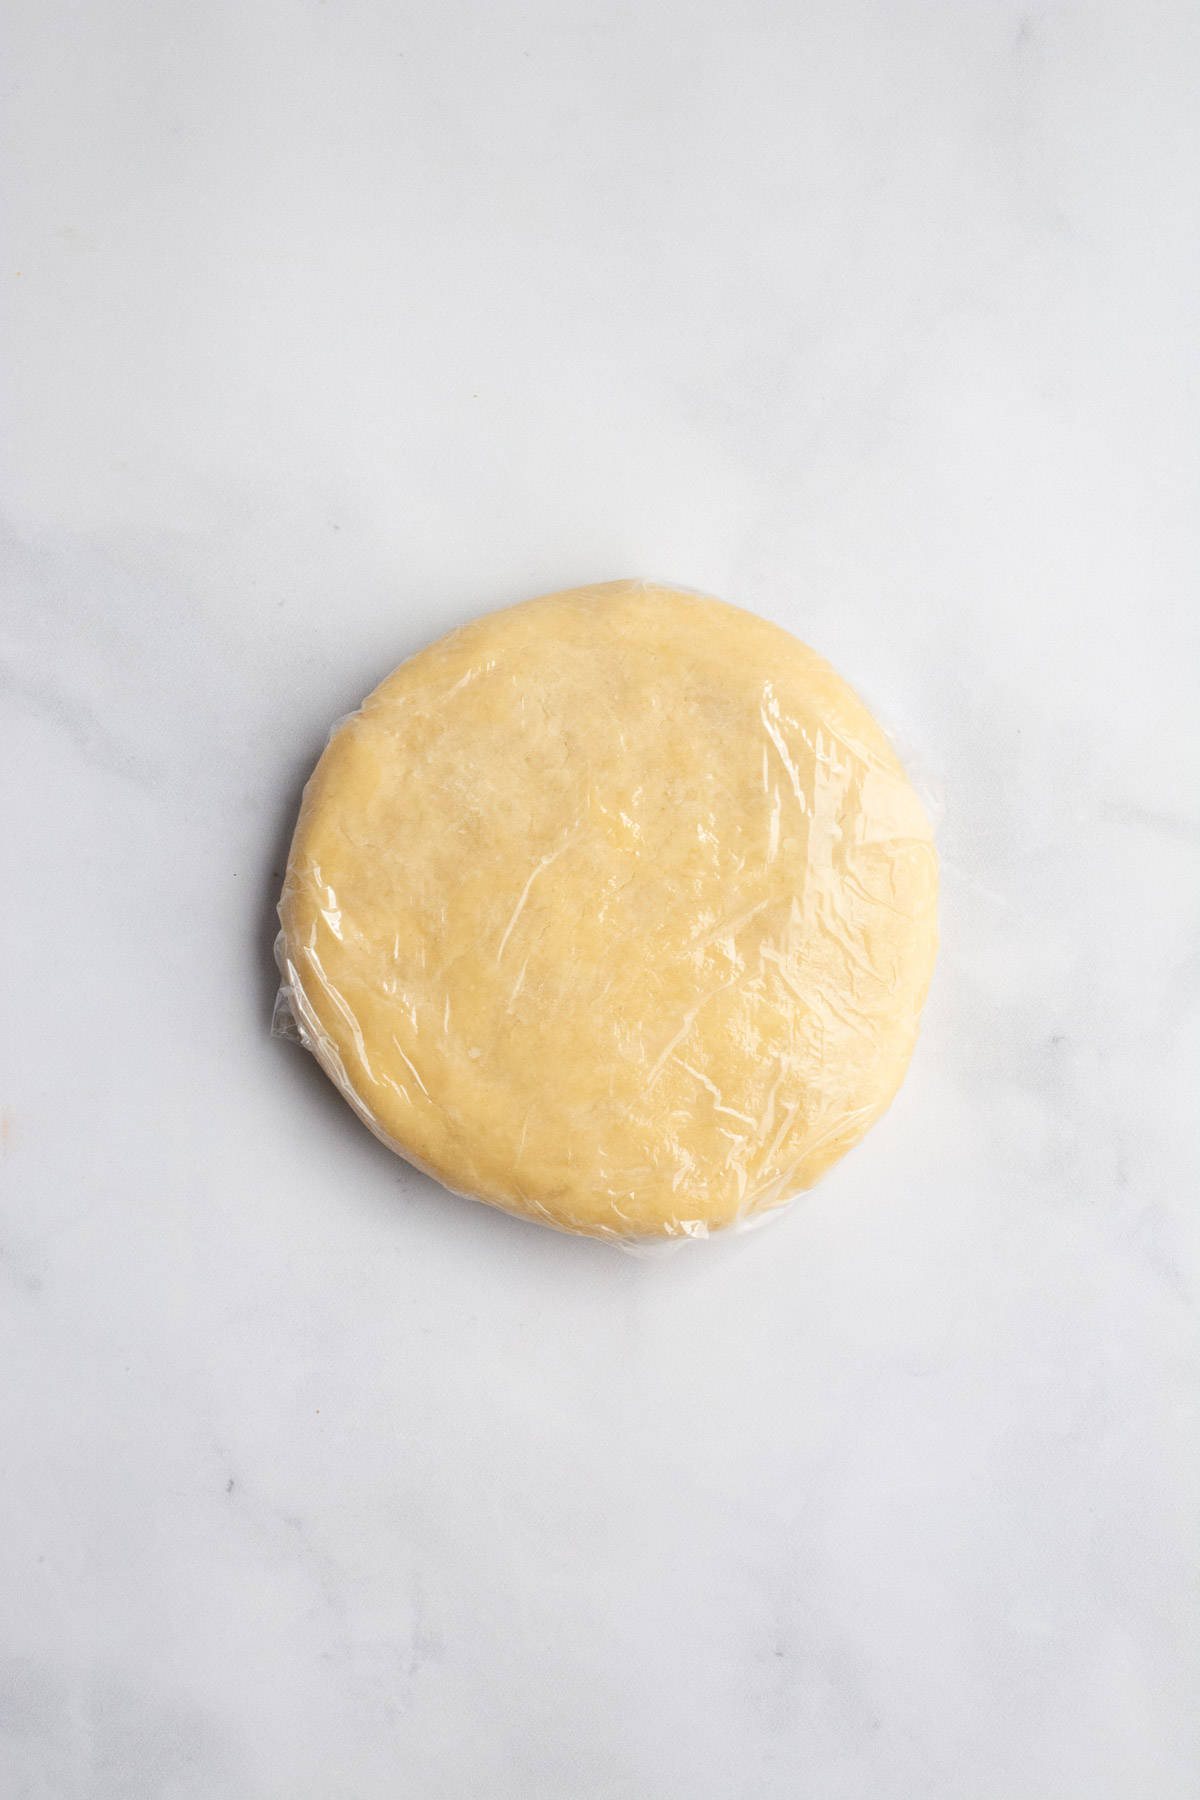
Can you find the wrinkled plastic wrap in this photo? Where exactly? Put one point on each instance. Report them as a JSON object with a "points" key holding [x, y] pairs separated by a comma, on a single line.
{"points": [[615, 910]]}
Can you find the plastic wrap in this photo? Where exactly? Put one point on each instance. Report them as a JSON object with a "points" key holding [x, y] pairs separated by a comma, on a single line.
{"points": [[614, 910]]}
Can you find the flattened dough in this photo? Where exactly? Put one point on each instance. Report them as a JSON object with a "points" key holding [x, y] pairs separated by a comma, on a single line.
{"points": [[615, 910]]}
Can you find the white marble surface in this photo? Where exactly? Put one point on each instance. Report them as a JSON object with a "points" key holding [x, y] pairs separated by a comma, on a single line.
{"points": [[326, 326]]}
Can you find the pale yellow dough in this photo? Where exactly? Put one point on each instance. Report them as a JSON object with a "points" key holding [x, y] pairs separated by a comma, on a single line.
{"points": [[615, 910]]}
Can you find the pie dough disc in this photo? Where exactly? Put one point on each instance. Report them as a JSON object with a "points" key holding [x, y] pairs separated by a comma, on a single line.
{"points": [[615, 910]]}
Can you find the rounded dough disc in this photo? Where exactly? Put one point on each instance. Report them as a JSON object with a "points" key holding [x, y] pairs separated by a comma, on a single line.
{"points": [[615, 910]]}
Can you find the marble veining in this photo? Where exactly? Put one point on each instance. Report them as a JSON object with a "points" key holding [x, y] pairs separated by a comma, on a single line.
{"points": [[325, 328]]}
